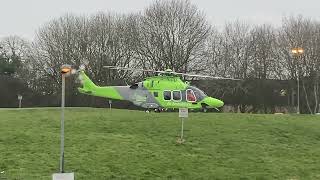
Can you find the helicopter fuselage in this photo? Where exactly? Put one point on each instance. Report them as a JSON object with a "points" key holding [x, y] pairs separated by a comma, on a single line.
{"points": [[154, 92]]}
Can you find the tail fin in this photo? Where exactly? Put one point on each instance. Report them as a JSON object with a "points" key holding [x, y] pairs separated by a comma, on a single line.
{"points": [[88, 85]]}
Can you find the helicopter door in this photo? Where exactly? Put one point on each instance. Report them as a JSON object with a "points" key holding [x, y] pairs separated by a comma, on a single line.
{"points": [[190, 96]]}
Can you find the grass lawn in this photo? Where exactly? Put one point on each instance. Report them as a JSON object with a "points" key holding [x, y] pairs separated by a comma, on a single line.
{"points": [[124, 144]]}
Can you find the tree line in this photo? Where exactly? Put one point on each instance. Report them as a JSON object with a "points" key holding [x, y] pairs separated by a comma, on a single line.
{"points": [[172, 34]]}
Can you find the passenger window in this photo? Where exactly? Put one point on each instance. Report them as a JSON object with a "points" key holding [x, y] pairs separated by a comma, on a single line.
{"points": [[155, 94], [176, 95], [190, 96], [167, 95]]}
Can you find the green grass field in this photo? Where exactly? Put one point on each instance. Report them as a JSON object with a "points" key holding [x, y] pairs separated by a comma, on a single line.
{"points": [[124, 144]]}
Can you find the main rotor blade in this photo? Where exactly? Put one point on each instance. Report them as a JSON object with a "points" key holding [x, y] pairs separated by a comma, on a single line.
{"points": [[167, 72], [132, 69], [205, 76]]}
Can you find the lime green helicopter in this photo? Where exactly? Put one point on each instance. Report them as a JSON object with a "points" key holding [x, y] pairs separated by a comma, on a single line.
{"points": [[166, 90]]}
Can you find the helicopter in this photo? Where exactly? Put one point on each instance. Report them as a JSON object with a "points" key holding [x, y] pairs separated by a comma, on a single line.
{"points": [[164, 91]]}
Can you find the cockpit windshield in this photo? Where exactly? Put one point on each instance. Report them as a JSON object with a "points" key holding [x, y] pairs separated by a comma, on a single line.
{"points": [[198, 93]]}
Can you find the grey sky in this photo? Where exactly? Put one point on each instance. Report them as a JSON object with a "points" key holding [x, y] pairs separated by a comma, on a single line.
{"points": [[24, 17]]}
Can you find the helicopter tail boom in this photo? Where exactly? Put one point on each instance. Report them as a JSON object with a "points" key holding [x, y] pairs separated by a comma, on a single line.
{"points": [[91, 89]]}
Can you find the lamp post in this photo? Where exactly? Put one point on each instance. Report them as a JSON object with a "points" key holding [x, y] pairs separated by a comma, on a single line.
{"points": [[297, 52], [65, 71]]}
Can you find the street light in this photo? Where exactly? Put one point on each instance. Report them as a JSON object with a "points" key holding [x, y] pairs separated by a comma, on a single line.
{"points": [[297, 52], [65, 71]]}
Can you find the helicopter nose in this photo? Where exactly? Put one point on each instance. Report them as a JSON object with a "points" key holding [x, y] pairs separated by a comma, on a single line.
{"points": [[213, 102]]}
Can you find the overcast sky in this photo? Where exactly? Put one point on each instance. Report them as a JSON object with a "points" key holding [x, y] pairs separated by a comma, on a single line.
{"points": [[24, 17]]}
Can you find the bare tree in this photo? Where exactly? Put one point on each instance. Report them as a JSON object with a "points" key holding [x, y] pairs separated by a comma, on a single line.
{"points": [[214, 61], [102, 39], [236, 37], [262, 52], [112, 43], [15, 50], [172, 35]]}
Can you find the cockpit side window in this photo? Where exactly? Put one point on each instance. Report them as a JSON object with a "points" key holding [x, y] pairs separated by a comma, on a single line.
{"points": [[198, 93], [134, 86], [140, 84], [155, 94], [190, 96]]}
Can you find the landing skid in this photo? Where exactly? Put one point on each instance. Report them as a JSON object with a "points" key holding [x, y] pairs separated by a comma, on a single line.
{"points": [[205, 109], [158, 110]]}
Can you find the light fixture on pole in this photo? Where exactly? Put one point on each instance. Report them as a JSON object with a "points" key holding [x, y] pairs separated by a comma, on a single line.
{"points": [[66, 71], [297, 52]]}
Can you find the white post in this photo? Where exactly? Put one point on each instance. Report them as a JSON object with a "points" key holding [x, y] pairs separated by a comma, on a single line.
{"points": [[183, 113], [181, 137], [20, 99], [110, 102]]}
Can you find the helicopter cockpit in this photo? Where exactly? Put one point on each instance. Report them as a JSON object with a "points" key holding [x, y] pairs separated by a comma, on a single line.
{"points": [[199, 94]]}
